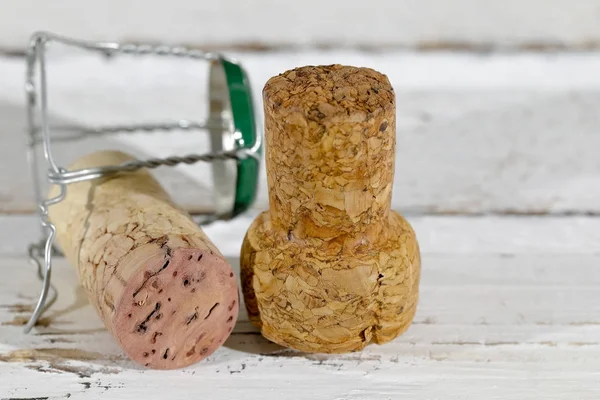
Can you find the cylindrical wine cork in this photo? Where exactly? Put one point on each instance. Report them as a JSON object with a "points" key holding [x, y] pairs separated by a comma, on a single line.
{"points": [[330, 268], [159, 284]]}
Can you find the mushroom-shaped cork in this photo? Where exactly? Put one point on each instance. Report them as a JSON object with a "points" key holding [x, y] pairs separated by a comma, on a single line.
{"points": [[330, 268]]}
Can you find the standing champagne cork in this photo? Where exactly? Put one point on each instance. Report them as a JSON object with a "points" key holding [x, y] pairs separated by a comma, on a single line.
{"points": [[159, 284], [330, 268]]}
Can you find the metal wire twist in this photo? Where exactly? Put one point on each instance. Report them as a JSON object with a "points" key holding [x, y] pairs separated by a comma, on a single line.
{"points": [[45, 273], [64, 178]]}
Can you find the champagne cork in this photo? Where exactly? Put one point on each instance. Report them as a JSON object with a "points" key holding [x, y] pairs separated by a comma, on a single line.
{"points": [[160, 285], [330, 268]]}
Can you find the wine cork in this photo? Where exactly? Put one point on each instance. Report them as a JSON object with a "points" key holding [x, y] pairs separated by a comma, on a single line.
{"points": [[160, 285], [330, 268]]}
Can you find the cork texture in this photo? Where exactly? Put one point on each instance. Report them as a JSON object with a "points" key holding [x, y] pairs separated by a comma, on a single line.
{"points": [[330, 268], [160, 285]]}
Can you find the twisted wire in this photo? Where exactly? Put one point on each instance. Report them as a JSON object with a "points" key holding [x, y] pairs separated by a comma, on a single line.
{"points": [[44, 273]]}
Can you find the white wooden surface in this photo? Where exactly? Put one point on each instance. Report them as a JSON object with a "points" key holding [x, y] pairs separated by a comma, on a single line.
{"points": [[467, 24], [505, 146], [513, 315], [504, 134]]}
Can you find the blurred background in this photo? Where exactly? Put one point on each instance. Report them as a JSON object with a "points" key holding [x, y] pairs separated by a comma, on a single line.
{"points": [[274, 25], [497, 100]]}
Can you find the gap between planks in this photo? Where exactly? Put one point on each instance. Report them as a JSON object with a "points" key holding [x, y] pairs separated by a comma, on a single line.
{"points": [[471, 235]]}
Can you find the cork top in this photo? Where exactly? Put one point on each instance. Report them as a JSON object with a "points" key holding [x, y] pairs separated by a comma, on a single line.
{"points": [[329, 91], [330, 136]]}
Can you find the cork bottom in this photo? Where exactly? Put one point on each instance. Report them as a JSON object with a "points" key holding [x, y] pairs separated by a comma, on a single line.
{"points": [[372, 335], [305, 296], [178, 309]]}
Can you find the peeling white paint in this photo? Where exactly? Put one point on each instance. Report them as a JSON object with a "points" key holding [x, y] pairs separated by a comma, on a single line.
{"points": [[506, 320]]}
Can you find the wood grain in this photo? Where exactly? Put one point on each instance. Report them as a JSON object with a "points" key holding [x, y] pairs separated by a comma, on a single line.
{"points": [[487, 326], [504, 134], [509, 302]]}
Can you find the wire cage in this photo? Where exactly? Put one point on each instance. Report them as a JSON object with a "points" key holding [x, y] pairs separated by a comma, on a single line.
{"points": [[235, 143]]}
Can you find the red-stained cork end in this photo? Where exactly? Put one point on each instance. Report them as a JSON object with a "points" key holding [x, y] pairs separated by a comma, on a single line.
{"points": [[178, 309], [158, 283]]}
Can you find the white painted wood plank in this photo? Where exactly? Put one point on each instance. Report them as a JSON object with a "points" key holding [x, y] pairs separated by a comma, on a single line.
{"points": [[267, 23], [547, 282], [488, 326], [500, 134], [301, 379], [436, 234]]}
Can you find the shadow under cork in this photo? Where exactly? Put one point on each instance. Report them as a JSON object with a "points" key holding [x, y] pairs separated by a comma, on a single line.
{"points": [[252, 343], [245, 336]]}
